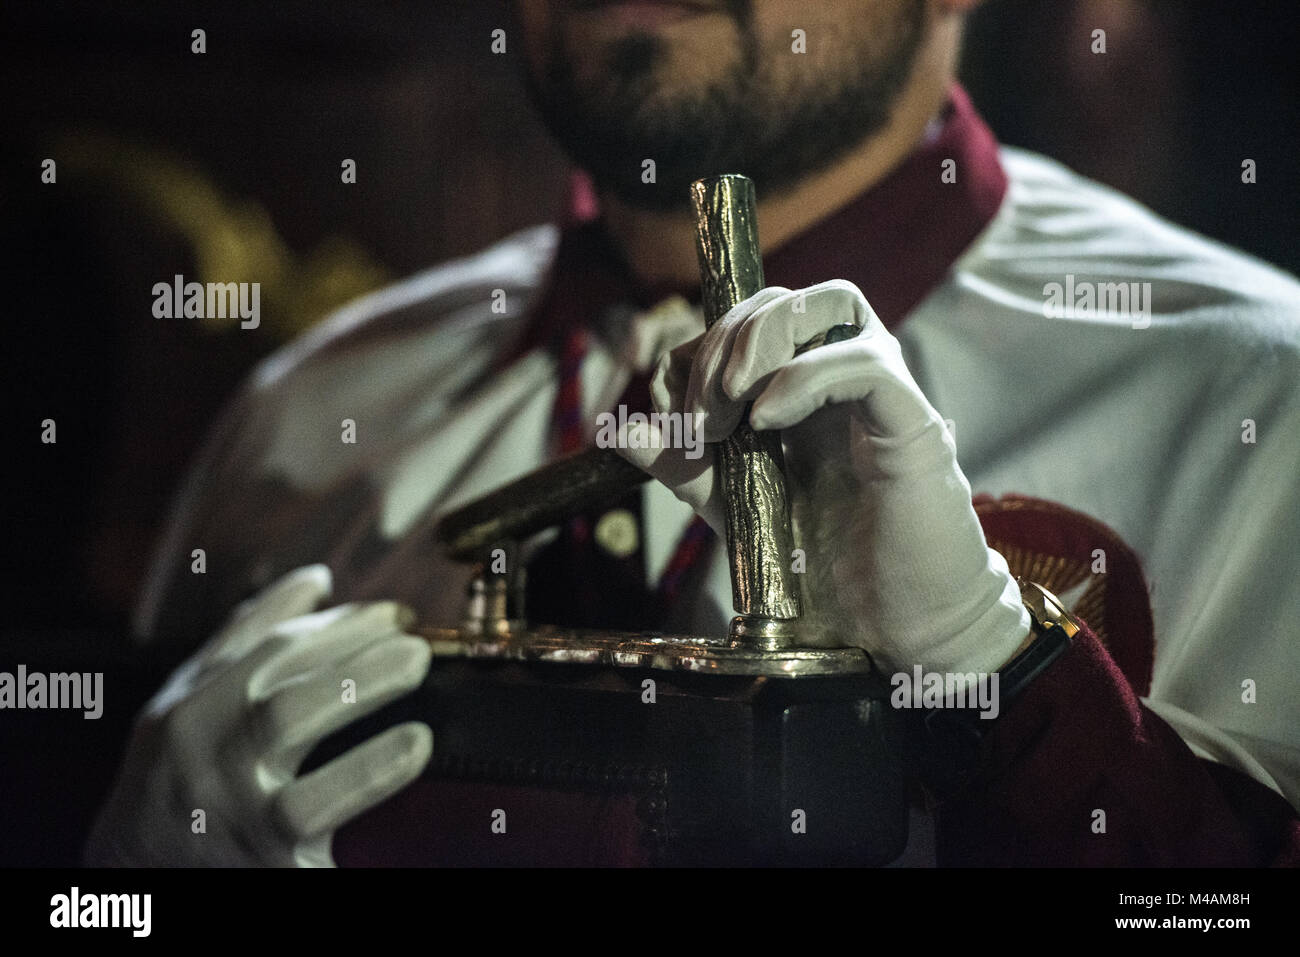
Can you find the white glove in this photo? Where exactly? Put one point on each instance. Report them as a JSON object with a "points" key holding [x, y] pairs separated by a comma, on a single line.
{"points": [[896, 559], [228, 731]]}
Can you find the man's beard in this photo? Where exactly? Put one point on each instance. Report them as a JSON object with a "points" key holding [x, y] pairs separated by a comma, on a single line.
{"points": [[775, 130]]}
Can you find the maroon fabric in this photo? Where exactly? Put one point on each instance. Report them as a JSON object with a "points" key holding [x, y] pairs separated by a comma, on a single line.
{"points": [[567, 416], [1078, 741]]}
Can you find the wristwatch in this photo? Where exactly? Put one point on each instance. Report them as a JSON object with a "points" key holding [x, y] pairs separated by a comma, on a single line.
{"points": [[1053, 628], [952, 736]]}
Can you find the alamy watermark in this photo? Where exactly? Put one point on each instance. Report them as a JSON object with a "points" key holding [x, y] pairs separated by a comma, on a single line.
{"points": [[133, 912], [656, 430], [1084, 299], [946, 689], [78, 691], [214, 300]]}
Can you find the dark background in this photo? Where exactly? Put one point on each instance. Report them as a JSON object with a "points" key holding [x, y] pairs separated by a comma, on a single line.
{"points": [[171, 162]]}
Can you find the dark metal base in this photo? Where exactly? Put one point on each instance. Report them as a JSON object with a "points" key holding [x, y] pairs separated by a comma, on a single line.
{"points": [[718, 770]]}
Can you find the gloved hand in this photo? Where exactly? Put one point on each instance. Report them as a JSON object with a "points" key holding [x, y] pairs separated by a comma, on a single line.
{"points": [[896, 559], [228, 731]]}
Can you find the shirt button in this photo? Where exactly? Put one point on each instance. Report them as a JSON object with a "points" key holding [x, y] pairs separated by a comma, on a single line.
{"points": [[617, 533]]}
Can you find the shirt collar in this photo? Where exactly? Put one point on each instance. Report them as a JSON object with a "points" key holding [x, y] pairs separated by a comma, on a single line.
{"points": [[896, 241]]}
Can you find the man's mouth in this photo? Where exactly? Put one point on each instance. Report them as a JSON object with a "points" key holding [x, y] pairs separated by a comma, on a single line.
{"points": [[643, 13]]}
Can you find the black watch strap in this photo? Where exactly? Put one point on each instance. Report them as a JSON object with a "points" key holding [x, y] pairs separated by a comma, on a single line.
{"points": [[1030, 663], [950, 738]]}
